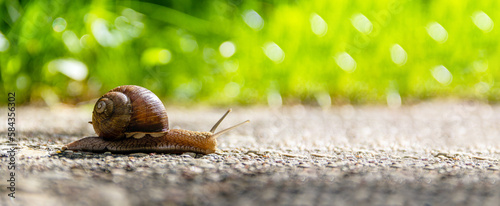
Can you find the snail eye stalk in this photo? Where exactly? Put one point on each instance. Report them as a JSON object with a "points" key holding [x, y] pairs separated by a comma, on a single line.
{"points": [[227, 129], [220, 120]]}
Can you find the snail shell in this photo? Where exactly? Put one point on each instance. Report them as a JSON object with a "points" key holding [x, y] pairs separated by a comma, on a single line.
{"points": [[133, 111], [128, 109]]}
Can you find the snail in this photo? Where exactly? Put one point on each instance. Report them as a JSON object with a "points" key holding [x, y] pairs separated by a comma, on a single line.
{"points": [[131, 118]]}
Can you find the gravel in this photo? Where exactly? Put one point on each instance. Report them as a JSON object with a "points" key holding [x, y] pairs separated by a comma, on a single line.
{"points": [[432, 153]]}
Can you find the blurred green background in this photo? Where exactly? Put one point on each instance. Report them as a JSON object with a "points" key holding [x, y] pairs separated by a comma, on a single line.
{"points": [[251, 52]]}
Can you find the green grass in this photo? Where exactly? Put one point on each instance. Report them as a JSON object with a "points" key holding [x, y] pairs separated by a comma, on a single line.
{"points": [[172, 48]]}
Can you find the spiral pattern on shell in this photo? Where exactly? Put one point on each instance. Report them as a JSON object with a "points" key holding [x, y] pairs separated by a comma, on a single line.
{"points": [[128, 109]]}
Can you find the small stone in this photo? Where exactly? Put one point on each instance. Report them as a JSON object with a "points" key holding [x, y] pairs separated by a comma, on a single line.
{"points": [[252, 155], [493, 167], [429, 167], [322, 155], [188, 155], [196, 170], [396, 165], [442, 157], [231, 160], [410, 157], [479, 158], [117, 172], [304, 165], [288, 155], [292, 155], [207, 166], [441, 154]]}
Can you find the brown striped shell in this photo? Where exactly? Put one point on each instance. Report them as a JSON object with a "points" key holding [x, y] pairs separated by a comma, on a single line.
{"points": [[128, 109]]}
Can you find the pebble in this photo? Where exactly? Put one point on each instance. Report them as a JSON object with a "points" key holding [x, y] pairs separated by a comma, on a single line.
{"points": [[188, 155], [493, 167], [252, 155], [118, 172], [396, 165], [322, 155], [253, 151], [291, 155], [429, 167], [410, 157], [303, 165], [480, 158]]}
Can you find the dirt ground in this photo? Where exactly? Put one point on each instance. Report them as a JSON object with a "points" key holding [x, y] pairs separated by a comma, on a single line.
{"points": [[432, 153]]}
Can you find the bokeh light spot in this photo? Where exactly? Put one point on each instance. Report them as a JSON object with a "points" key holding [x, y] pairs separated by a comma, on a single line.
{"points": [[13, 13], [393, 99], [209, 55], [129, 24], [482, 21], [361, 23], [318, 25], [274, 52], [324, 100], [398, 55], [104, 35], [442, 75], [437, 32], [85, 41], [232, 89], [231, 65], [72, 68], [345, 62], [164, 56], [156, 56], [188, 90], [59, 24], [75, 88], [480, 66], [121, 23], [188, 43], [49, 96], [23, 81], [274, 99], [13, 66], [253, 20], [227, 49], [71, 41], [482, 87], [4, 43], [131, 14]]}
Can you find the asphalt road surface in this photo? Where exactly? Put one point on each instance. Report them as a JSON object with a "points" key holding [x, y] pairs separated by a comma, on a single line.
{"points": [[432, 153]]}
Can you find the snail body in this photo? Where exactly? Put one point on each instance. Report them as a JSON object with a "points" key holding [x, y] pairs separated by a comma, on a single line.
{"points": [[133, 119]]}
